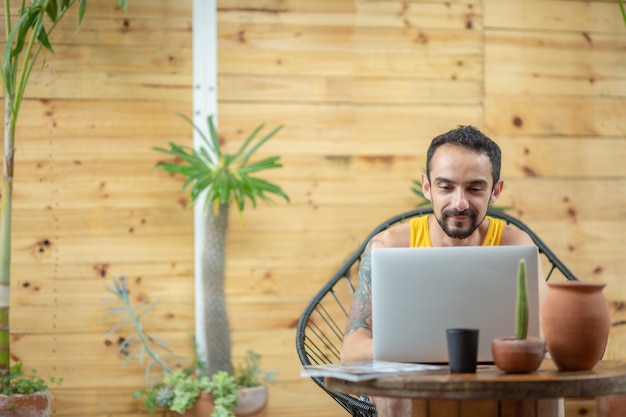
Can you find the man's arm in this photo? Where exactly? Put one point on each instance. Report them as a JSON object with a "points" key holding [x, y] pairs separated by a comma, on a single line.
{"points": [[357, 341]]}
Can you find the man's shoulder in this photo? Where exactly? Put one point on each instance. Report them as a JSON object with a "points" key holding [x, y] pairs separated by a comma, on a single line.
{"points": [[513, 235], [398, 235]]}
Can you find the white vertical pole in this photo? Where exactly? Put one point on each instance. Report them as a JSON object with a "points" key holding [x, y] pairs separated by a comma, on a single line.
{"points": [[204, 104]]}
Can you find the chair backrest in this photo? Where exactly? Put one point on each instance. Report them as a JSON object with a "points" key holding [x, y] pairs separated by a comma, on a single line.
{"points": [[321, 326]]}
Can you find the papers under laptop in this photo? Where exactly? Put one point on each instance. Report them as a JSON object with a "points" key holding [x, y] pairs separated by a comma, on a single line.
{"points": [[418, 293]]}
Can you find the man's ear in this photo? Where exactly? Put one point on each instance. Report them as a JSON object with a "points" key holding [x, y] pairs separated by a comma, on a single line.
{"points": [[426, 187], [497, 189]]}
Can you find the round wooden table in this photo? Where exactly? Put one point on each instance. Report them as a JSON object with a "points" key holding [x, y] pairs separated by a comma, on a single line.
{"points": [[490, 392]]}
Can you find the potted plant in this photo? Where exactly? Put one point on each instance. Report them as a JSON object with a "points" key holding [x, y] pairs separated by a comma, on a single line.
{"points": [[223, 179], [27, 33], [186, 390], [519, 354], [26, 396], [192, 393], [250, 383]]}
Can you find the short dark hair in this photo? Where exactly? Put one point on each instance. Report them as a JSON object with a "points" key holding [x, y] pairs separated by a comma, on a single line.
{"points": [[473, 139]]}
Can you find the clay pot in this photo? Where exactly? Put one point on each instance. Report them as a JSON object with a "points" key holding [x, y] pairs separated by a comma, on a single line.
{"points": [[202, 408], [33, 405], [576, 321], [518, 355], [251, 402]]}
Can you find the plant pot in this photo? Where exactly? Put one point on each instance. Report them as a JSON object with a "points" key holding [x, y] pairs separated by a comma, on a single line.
{"points": [[251, 402], [576, 321], [518, 355], [33, 405]]}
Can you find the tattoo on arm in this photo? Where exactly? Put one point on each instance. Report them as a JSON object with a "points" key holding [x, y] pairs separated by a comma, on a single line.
{"points": [[361, 309]]}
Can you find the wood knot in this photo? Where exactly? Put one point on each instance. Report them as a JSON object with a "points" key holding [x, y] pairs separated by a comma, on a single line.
{"points": [[422, 38], [125, 26], [571, 212], [529, 172], [101, 269]]}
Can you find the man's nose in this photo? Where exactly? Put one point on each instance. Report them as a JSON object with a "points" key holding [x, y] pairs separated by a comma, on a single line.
{"points": [[460, 201]]}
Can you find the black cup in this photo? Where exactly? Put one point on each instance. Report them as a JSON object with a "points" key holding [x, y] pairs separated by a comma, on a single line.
{"points": [[462, 350]]}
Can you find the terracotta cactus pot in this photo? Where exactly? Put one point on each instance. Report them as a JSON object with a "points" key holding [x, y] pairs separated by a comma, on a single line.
{"points": [[518, 355]]}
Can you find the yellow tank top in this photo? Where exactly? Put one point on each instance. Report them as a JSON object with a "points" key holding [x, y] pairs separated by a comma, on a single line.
{"points": [[420, 232]]}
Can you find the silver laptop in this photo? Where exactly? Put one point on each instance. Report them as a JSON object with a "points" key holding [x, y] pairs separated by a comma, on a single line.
{"points": [[418, 293]]}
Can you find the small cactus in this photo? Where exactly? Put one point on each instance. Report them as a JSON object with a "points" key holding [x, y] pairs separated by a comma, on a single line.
{"points": [[521, 307]]}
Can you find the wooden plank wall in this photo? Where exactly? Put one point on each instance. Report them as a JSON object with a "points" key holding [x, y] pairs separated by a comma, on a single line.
{"points": [[361, 87]]}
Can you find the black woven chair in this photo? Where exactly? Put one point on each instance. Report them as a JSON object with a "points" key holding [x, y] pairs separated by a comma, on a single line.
{"points": [[320, 329]]}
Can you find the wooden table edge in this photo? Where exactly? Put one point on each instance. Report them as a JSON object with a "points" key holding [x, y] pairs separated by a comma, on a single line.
{"points": [[607, 378]]}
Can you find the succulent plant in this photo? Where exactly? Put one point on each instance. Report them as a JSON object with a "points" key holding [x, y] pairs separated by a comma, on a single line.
{"points": [[521, 307]]}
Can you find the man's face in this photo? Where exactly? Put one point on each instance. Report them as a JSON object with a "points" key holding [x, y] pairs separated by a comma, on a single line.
{"points": [[460, 189]]}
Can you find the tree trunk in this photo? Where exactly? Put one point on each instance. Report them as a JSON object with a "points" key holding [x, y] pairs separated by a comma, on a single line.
{"points": [[217, 331], [5, 232]]}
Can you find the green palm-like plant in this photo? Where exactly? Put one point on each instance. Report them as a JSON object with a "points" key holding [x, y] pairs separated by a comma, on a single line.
{"points": [[622, 9], [224, 179], [27, 33]]}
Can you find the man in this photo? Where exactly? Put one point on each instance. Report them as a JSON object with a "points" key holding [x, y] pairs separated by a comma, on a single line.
{"points": [[462, 179]]}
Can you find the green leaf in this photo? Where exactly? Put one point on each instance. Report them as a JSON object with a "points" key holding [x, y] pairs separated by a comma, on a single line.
{"points": [[27, 21], [271, 188], [82, 7], [247, 142], [215, 140], [7, 71], [212, 145], [260, 143], [42, 37], [267, 163], [209, 158], [123, 4], [52, 10]]}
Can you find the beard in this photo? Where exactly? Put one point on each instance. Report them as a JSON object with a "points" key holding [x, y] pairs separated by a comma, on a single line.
{"points": [[456, 230]]}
